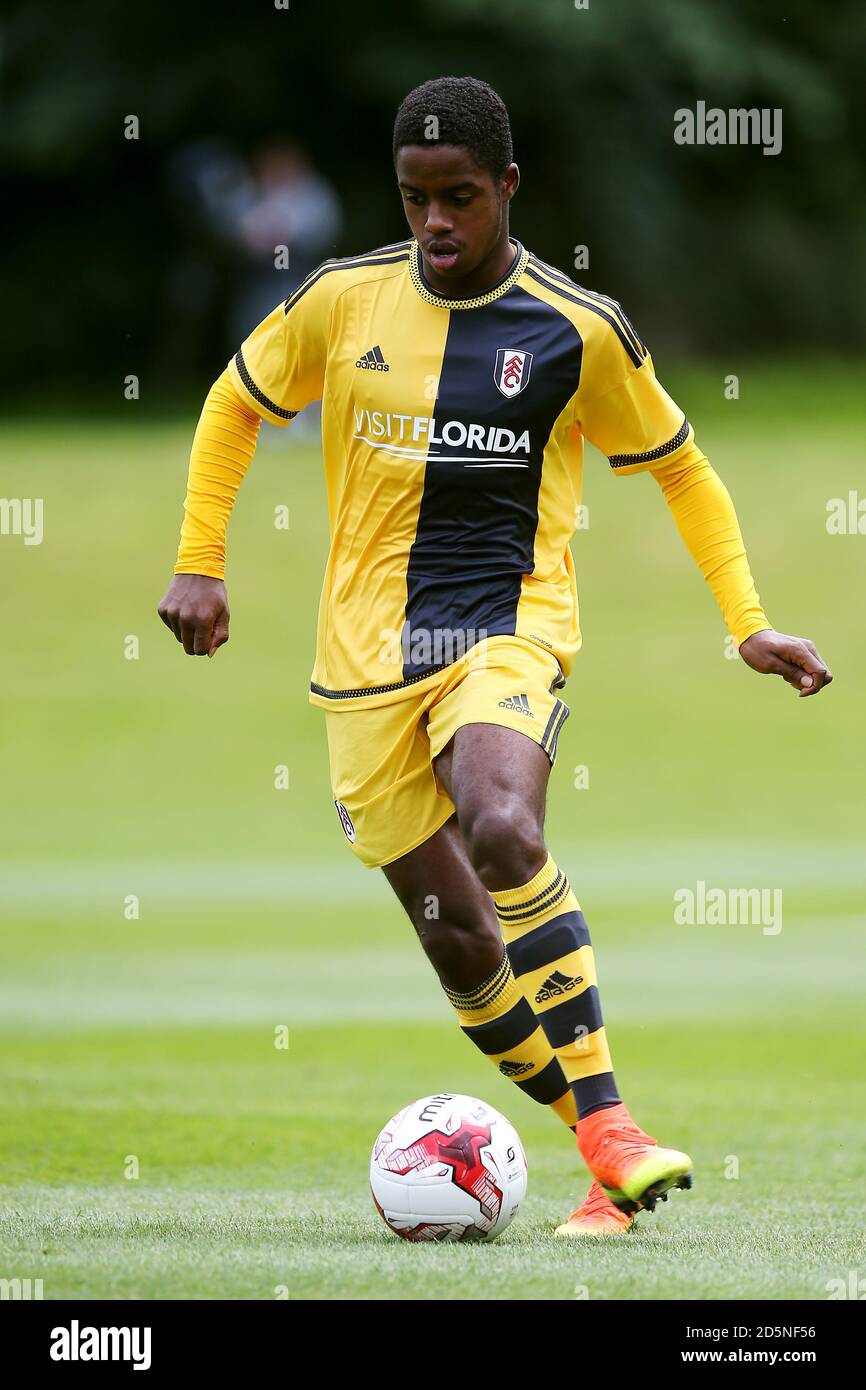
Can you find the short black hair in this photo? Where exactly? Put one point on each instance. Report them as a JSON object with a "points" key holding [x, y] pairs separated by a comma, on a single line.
{"points": [[468, 113]]}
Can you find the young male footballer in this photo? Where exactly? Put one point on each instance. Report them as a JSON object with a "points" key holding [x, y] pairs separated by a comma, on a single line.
{"points": [[459, 376]]}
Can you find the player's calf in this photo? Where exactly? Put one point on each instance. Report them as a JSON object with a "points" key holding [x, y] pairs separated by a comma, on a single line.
{"points": [[457, 925]]}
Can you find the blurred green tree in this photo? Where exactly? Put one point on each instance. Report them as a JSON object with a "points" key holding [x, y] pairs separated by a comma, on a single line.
{"points": [[712, 248]]}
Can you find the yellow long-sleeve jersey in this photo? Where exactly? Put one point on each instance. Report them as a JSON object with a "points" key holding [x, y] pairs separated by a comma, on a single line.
{"points": [[452, 435]]}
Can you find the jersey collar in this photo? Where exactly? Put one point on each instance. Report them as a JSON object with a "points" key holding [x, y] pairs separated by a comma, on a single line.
{"points": [[416, 274]]}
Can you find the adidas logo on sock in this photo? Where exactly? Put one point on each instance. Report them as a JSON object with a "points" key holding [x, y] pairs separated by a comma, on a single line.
{"points": [[513, 1069], [373, 361], [555, 984], [518, 703]]}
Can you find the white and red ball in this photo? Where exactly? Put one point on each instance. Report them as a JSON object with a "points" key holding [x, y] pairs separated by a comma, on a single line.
{"points": [[448, 1168]]}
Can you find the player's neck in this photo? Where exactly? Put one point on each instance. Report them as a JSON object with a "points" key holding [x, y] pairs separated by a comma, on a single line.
{"points": [[486, 275]]}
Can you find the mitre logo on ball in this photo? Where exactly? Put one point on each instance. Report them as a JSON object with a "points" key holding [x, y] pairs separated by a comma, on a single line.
{"points": [[512, 370]]}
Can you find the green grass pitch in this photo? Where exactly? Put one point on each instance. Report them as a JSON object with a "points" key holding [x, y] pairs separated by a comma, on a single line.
{"points": [[155, 1143]]}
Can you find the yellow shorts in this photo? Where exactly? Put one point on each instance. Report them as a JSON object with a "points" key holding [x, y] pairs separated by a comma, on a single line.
{"points": [[387, 795]]}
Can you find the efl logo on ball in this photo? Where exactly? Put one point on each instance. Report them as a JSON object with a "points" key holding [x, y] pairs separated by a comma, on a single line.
{"points": [[512, 370]]}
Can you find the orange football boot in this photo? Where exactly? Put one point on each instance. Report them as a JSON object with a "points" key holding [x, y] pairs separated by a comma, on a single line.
{"points": [[596, 1216], [628, 1163]]}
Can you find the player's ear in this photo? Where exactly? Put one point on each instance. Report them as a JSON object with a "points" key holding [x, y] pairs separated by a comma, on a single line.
{"points": [[510, 182]]}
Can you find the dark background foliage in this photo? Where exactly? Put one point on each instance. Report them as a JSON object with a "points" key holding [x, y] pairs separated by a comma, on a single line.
{"points": [[712, 249]]}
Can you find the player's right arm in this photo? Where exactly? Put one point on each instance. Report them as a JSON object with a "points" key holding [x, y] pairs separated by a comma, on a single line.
{"points": [[278, 370], [195, 607]]}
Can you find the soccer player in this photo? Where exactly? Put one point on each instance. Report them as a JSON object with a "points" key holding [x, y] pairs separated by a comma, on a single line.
{"points": [[459, 375]]}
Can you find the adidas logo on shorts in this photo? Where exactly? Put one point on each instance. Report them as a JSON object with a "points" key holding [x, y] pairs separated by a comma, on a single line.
{"points": [[512, 1069], [556, 984], [519, 703]]}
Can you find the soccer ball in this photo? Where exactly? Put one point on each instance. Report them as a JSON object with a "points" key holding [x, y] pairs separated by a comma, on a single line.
{"points": [[448, 1168]]}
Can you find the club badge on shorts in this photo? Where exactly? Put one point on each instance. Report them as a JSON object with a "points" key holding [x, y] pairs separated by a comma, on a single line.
{"points": [[511, 372], [346, 821]]}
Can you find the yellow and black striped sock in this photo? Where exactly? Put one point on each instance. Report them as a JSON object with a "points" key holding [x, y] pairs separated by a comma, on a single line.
{"points": [[500, 1022], [549, 948]]}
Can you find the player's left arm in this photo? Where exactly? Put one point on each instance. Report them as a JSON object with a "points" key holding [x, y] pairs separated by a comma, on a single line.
{"points": [[623, 409], [705, 517]]}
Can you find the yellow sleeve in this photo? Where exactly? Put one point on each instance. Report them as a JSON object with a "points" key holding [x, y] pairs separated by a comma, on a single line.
{"points": [[222, 450], [623, 409], [621, 406], [706, 520], [280, 367]]}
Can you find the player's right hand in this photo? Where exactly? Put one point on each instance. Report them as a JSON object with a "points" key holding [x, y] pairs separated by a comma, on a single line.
{"points": [[196, 608]]}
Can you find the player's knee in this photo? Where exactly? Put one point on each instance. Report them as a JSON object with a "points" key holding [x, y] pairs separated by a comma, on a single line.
{"points": [[505, 843]]}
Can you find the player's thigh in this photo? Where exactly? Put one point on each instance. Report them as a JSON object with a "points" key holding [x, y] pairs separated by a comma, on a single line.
{"points": [[382, 779], [490, 765], [496, 732]]}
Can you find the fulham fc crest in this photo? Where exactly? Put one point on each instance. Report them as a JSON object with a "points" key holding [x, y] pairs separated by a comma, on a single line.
{"points": [[346, 822], [512, 370]]}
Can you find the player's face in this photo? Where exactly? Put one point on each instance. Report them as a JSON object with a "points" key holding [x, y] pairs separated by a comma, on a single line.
{"points": [[457, 211]]}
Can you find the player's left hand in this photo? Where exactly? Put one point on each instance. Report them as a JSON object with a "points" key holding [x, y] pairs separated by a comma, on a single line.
{"points": [[796, 659]]}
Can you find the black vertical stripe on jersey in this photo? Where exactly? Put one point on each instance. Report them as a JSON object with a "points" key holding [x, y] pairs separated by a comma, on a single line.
{"points": [[475, 537]]}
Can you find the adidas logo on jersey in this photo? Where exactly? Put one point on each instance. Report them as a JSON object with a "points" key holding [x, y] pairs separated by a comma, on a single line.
{"points": [[513, 1069], [557, 984], [519, 703], [373, 361]]}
